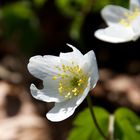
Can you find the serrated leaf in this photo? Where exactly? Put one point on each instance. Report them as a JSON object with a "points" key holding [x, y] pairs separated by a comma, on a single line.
{"points": [[127, 125], [84, 127]]}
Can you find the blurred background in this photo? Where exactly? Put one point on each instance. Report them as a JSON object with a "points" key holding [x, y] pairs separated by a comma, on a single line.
{"points": [[41, 27]]}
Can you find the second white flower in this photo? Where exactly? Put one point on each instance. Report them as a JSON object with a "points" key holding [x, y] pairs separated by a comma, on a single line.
{"points": [[123, 24]]}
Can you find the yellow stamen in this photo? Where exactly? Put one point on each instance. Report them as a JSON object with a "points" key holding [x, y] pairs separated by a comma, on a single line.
{"points": [[72, 80], [129, 17], [54, 77]]}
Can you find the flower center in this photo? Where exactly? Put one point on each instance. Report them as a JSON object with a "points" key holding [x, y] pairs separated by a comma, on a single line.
{"points": [[72, 80], [75, 81], [129, 17]]}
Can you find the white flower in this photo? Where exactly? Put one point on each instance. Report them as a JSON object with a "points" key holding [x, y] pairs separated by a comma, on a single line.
{"points": [[123, 24], [67, 80]]}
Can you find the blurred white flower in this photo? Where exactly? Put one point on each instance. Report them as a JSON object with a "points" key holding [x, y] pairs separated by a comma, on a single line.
{"points": [[67, 80], [123, 24]]}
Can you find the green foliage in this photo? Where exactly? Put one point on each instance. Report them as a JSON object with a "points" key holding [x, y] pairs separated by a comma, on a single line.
{"points": [[71, 7], [127, 125], [99, 4], [84, 127], [121, 3], [39, 3], [19, 20], [75, 32], [79, 9]]}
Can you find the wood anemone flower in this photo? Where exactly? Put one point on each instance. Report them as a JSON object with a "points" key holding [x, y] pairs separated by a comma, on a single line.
{"points": [[67, 80], [123, 24]]}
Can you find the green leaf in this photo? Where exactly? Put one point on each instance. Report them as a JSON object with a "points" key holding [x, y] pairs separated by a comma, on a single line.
{"points": [[84, 128], [127, 125]]}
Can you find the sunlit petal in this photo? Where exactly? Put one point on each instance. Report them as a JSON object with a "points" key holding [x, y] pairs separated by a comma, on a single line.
{"points": [[63, 110], [113, 14], [134, 4], [42, 66], [112, 34]]}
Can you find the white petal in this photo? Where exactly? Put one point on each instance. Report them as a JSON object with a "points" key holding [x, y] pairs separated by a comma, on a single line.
{"points": [[134, 4], [115, 34], [75, 55], [46, 95], [63, 110], [85, 93], [136, 28], [41, 66], [113, 14], [90, 67]]}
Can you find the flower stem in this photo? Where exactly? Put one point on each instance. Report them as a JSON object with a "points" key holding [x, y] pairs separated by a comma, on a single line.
{"points": [[94, 118]]}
